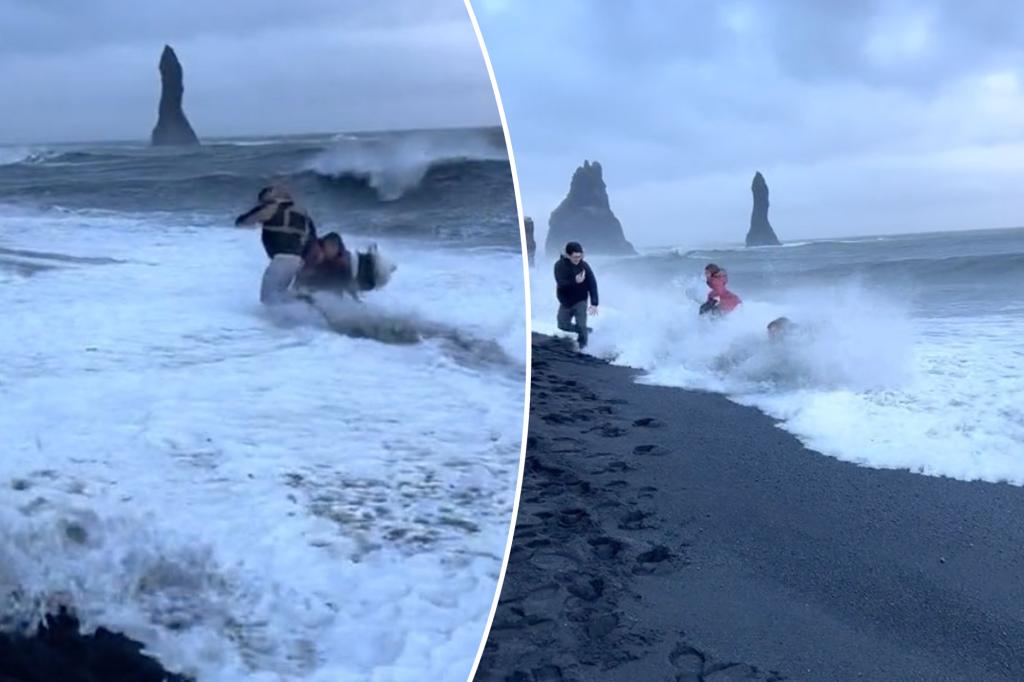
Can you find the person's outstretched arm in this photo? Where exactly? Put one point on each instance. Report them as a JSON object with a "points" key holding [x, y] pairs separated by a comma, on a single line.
{"points": [[591, 285], [258, 214]]}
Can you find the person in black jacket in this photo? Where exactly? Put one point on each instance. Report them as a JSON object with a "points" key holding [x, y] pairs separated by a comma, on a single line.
{"points": [[288, 232], [575, 284]]}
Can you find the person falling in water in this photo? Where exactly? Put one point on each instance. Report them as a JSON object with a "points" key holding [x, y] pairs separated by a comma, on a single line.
{"points": [[720, 299], [780, 328], [328, 265], [288, 232], [575, 284]]}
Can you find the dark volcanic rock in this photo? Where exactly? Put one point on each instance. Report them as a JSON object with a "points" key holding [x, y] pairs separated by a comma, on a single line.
{"points": [[57, 652], [585, 215], [761, 232], [531, 244], [172, 128]]}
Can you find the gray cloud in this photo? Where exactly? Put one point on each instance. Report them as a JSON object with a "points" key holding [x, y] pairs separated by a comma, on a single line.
{"points": [[72, 70], [865, 117]]}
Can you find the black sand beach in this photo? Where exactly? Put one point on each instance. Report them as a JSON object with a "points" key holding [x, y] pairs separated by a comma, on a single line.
{"points": [[673, 535], [58, 652]]}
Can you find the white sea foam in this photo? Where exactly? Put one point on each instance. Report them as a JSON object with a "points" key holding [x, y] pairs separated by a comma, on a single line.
{"points": [[14, 155], [395, 165], [865, 378], [252, 498]]}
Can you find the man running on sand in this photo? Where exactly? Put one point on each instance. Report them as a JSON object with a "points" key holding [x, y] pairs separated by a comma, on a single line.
{"points": [[575, 284]]}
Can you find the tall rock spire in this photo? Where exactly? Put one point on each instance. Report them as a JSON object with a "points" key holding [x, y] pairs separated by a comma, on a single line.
{"points": [[761, 232], [172, 127]]}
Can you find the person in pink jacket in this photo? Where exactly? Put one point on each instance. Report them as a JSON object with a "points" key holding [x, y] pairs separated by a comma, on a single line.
{"points": [[720, 299]]}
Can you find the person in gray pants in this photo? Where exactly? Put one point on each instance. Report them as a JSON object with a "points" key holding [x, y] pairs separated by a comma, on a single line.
{"points": [[575, 286]]}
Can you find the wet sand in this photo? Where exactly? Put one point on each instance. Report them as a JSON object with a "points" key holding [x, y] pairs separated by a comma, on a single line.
{"points": [[666, 534], [58, 652]]}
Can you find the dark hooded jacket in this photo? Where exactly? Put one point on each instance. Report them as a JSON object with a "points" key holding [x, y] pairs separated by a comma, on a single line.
{"points": [[568, 290], [286, 227]]}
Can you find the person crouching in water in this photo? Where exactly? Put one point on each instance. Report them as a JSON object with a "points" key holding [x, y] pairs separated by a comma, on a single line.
{"points": [[720, 299], [575, 283], [287, 233], [328, 265]]}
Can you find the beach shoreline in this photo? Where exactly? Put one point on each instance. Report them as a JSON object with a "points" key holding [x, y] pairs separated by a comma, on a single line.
{"points": [[58, 650], [673, 534]]}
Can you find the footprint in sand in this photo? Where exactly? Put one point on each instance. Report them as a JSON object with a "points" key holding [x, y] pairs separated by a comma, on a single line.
{"points": [[738, 672], [655, 555], [587, 588], [609, 431], [634, 520], [567, 445], [534, 465], [553, 562], [602, 625], [572, 516], [605, 547], [647, 492], [691, 664], [649, 422], [581, 487], [617, 467], [548, 673], [650, 450], [688, 661]]}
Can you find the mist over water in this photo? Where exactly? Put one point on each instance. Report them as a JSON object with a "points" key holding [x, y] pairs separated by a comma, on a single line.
{"points": [[907, 354]]}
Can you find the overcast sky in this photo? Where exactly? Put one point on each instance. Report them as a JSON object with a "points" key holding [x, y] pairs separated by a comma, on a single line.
{"points": [[73, 70], [865, 118]]}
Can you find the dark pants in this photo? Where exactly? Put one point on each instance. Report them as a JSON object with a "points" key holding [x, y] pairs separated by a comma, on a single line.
{"points": [[565, 320]]}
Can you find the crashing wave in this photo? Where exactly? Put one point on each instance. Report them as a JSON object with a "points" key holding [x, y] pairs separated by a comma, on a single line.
{"points": [[393, 166], [12, 156]]}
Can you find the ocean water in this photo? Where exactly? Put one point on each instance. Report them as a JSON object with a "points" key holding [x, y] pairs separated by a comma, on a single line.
{"points": [[909, 352], [250, 493]]}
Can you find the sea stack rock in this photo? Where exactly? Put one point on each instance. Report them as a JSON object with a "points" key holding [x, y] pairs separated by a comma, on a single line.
{"points": [[585, 215], [761, 232], [531, 244], [172, 128]]}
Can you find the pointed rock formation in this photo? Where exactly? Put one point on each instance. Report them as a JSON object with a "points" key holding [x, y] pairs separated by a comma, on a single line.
{"points": [[761, 232], [172, 128], [531, 244], [585, 215]]}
